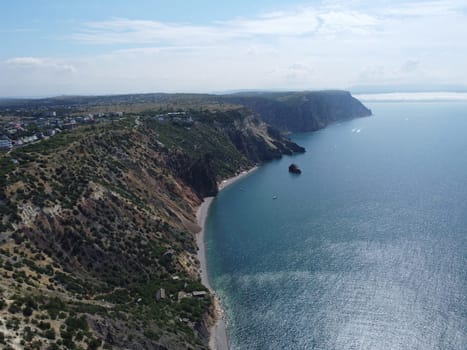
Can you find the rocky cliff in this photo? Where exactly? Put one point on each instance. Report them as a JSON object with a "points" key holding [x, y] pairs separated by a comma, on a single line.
{"points": [[302, 111], [97, 229], [97, 224], [288, 111]]}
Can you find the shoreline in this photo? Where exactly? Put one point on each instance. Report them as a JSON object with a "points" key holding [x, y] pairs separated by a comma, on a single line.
{"points": [[218, 336]]}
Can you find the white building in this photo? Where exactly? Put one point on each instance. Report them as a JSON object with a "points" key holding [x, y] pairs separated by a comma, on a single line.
{"points": [[5, 143]]}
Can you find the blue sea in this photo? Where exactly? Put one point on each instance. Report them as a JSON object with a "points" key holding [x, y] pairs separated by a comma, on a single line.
{"points": [[366, 249]]}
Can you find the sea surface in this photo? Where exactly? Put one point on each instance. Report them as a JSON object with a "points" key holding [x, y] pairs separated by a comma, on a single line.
{"points": [[366, 249]]}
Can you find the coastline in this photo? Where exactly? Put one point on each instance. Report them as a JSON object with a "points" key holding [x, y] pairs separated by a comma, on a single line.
{"points": [[218, 338]]}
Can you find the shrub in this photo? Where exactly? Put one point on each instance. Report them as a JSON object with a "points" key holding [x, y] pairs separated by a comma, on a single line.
{"points": [[49, 334], [28, 335], [74, 324], [44, 325], [27, 311], [93, 344], [14, 308]]}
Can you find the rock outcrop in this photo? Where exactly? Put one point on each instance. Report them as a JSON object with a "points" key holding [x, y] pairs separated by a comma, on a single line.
{"points": [[294, 169], [302, 111]]}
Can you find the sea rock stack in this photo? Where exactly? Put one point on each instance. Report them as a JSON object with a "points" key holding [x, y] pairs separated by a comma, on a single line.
{"points": [[294, 169]]}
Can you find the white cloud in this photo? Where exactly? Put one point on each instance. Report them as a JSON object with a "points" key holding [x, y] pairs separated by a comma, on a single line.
{"points": [[338, 22], [35, 76], [279, 23], [122, 30], [335, 44], [41, 64], [18, 30], [392, 73], [410, 66], [373, 74], [427, 8], [302, 21]]}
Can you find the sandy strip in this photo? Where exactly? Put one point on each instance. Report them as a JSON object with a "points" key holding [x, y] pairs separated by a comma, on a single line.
{"points": [[201, 216], [218, 333]]}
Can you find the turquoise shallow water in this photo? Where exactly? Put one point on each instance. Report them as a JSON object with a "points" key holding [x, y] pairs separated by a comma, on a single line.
{"points": [[367, 249]]}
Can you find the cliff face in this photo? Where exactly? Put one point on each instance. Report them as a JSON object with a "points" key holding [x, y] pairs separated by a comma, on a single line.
{"points": [[303, 111], [97, 221], [97, 224]]}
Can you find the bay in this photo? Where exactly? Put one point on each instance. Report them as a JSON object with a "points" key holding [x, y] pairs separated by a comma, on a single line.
{"points": [[366, 249]]}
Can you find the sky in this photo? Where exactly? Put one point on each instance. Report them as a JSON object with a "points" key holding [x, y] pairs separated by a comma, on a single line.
{"points": [[56, 47]]}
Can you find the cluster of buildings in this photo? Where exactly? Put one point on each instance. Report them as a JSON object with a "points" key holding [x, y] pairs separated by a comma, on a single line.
{"points": [[24, 131], [180, 117], [5, 142]]}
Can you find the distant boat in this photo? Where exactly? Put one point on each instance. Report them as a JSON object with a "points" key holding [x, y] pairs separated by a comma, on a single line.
{"points": [[294, 169], [274, 197]]}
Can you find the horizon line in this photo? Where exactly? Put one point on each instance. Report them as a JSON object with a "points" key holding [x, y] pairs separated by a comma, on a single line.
{"points": [[373, 96]]}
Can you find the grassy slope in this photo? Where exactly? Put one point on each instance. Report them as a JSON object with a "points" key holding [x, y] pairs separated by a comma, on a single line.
{"points": [[95, 221]]}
